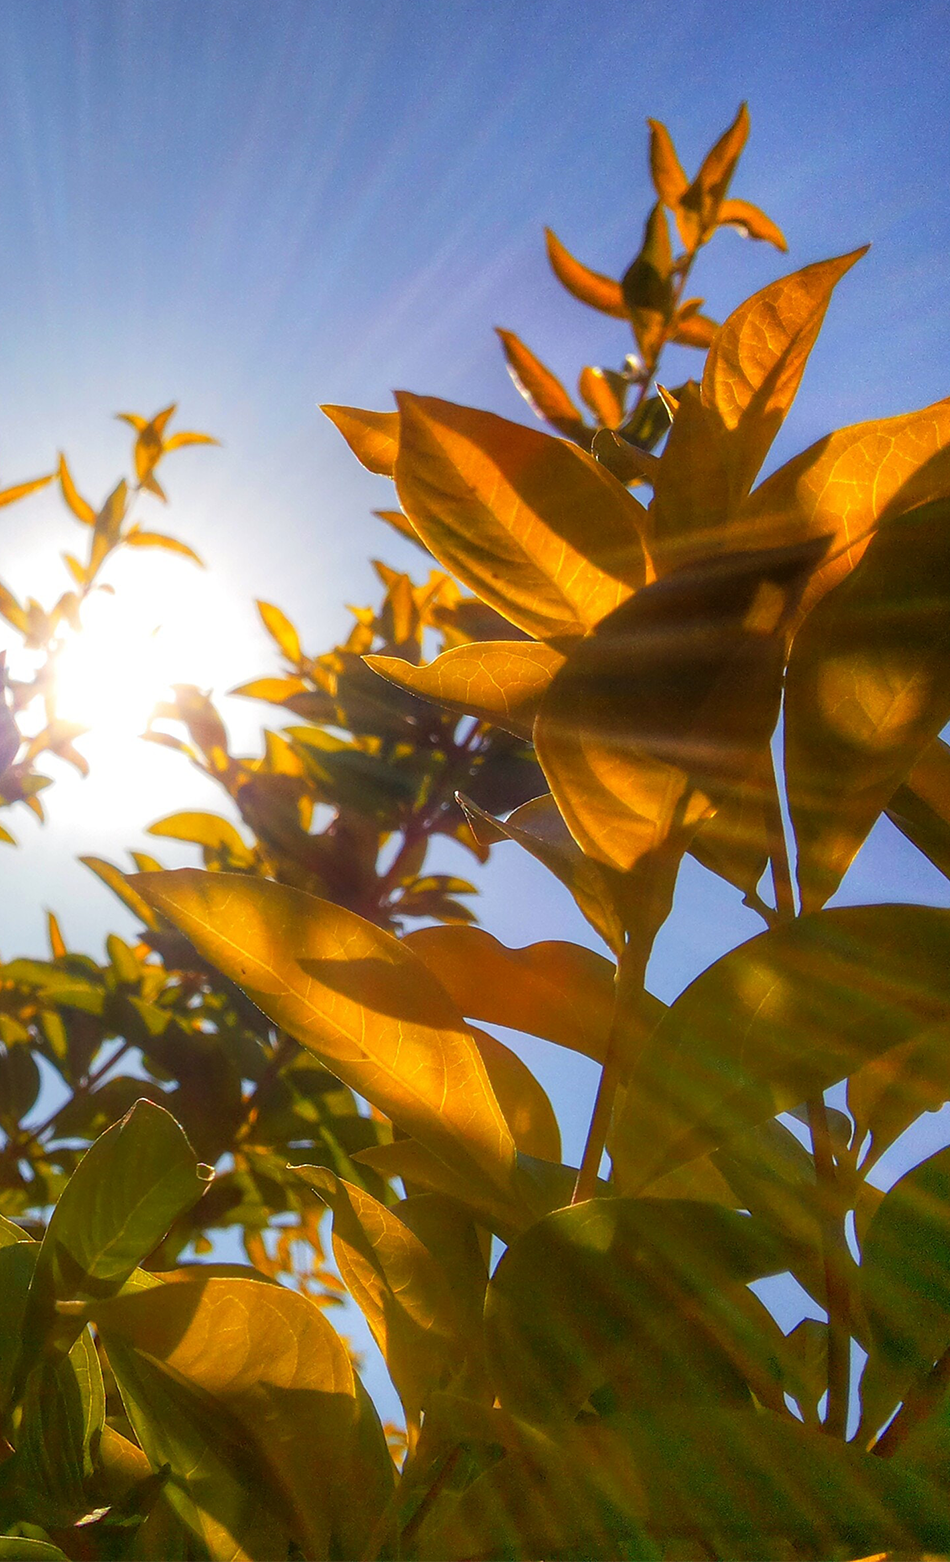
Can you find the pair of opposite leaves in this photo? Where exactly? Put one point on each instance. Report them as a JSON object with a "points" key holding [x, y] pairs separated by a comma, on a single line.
{"points": [[650, 624]]}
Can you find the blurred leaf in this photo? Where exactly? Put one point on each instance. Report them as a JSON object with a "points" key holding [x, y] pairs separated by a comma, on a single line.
{"points": [[117, 881], [356, 997], [397, 1285], [590, 287], [107, 527], [604, 392], [20, 490], [920, 808], [274, 690], [541, 389], [282, 631], [137, 538], [669, 180], [866, 693], [905, 1269], [751, 222], [80, 507], [647, 285], [373, 437], [671, 1271], [533, 525], [560, 991], [693, 330], [188, 437], [893, 1090], [499, 681], [781, 1017], [208, 830]]}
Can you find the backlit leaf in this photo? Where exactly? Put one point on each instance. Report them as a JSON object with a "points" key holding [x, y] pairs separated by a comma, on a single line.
{"points": [[533, 525], [118, 883], [751, 222], [400, 1289], [355, 996], [80, 507], [893, 1090], [669, 180], [188, 437], [528, 1112], [282, 631], [560, 991], [920, 808], [604, 393], [866, 692], [20, 490], [647, 285], [591, 287], [210, 830], [135, 537], [541, 389], [784, 1015], [373, 437], [905, 1270], [500, 681]]}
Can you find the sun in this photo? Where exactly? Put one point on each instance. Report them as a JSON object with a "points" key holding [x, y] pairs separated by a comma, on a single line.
{"points": [[111, 672]]}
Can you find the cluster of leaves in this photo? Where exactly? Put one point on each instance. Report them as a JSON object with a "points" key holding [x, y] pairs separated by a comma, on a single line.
{"points": [[612, 1386]]}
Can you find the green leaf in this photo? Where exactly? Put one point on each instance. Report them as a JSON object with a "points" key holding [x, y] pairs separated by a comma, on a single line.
{"points": [[500, 681], [781, 1017], [129, 1187], [263, 1361], [398, 1286], [920, 808], [905, 1270], [866, 693], [560, 991], [356, 997], [532, 524], [18, 1548], [670, 1273], [893, 1090]]}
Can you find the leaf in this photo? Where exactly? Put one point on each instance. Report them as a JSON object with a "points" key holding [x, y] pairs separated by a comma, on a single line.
{"points": [[373, 437], [357, 998], [137, 538], [590, 287], [920, 808], [669, 180], [536, 527], [560, 991], [604, 393], [866, 693], [893, 1090], [188, 437], [541, 389], [755, 366], [700, 204], [528, 1112], [846, 486], [208, 830], [905, 1273], [107, 527], [751, 222], [644, 711], [80, 507], [12, 611], [647, 285], [785, 1015], [20, 490], [694, 330], [499, 681], [128, 1188], [282, 631], [206, 1363], [117, 881], [666, 1272], [399, 1288], [538, 827]]}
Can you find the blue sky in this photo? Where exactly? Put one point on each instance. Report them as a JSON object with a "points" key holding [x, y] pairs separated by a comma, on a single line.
{"points": [[256, 207]]}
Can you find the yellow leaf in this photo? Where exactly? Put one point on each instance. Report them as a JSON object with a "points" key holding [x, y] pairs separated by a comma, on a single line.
{"points": [[268, 1357], [399, 1288], [627, 462], [136, 538], [755, 366], [402, 524], [134, 419], [501, 681], [604, 394], [209, 830], [118, 883], [189, 437], [693, 330], [11, 610], [867, 690], [532, 524], [373, 437], [57, 943], [541, 389], [643, 714], [751, 222], [281, 630], [699, 206], [80, 507], [559, 991], [528, 1112], [107, 527], [647, 285], [274, 690], [590, 287], [357, 998], [669, 180], [20, 490]]}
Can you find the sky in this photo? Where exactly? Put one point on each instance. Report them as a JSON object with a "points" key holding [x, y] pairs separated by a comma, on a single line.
{"points": [[253, 208]]}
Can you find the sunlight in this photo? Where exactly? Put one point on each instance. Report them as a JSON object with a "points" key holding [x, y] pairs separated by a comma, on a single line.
{"points": [[111, 673]]}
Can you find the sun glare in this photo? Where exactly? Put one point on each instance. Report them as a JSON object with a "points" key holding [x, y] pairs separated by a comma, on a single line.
{"points": [[111, 673]]}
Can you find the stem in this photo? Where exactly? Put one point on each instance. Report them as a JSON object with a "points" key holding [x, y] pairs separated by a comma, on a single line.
{"points": [[649, 369], [630, 975]]}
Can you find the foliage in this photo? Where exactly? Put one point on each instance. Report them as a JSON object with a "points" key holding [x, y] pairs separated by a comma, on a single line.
{"points": [[605, 682]]}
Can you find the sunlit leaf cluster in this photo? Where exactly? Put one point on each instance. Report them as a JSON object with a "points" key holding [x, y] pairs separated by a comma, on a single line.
{"points": [[753, 671]]}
